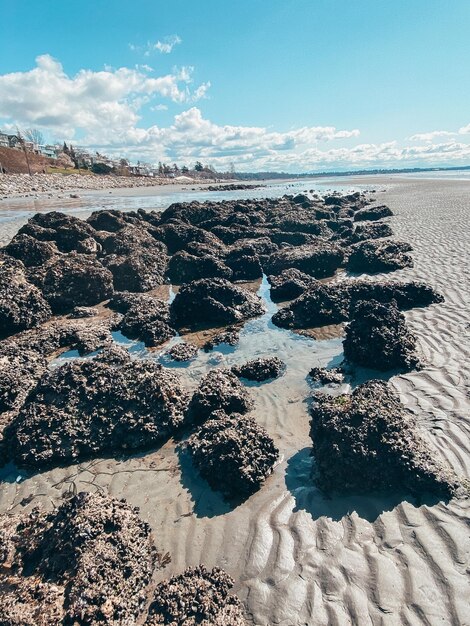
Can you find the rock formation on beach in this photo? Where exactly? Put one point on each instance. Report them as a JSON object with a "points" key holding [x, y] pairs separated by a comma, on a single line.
{"points": [[322, 304], [233, 453], [213, 302], [182, 352], [219, 390], [378, 338], [260, 369], [197, 596], [109, 404], [327, 376], [89, 561], [367, 441]]}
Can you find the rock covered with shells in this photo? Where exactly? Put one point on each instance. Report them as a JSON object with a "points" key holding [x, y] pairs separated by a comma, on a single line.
{"points": [[233, 453], [219, 390], [260, 369], [98, 406], [88, 561], [368, 441]]}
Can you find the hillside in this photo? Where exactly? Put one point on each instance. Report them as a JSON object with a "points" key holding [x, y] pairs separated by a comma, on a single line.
{"points": [[13, 161]]}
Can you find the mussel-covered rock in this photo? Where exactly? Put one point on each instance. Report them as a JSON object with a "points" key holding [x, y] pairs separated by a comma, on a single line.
{"points": [[89, 561], [198, 596], [19, 372], [324, 376], [213, 301], [374, 230], [379, 256], [260, 369], [137, 271], [233, 453], [367, 441], [30, 251], [182, 352], [184, 267], [75, 280], [289, 284], [322, 304], [148, 320], [21, 304], [377, 337], [229, 336], [219, 390], [373, 213], [319, 259], [98, 406]]}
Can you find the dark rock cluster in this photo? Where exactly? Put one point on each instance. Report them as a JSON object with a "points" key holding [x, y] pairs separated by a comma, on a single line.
{"points": [[372, 213], [229, 336], [213, 302], [378, 338], [197, 596], [367, 441], [289, 284], [183, 351], [219, 390], [109, 404], [89, 561], [233, 453], [260, 369], [322, 304], [145, 318], [327, 376], [379, 256]]}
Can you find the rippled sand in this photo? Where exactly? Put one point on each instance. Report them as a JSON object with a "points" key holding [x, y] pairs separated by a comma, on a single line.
{"points": [[297, 557]]}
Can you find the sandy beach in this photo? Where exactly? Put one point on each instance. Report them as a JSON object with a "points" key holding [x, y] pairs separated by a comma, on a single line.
{"points": [[297, 557]]}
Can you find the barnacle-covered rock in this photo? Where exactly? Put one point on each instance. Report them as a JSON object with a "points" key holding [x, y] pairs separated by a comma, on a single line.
{"points": [[377, 337], [229, 336], [318, 259], [196, 597], [326, 376], [137, 271], [89, 561], [148, 320], [260, 369], [30, 251], [219, 390], [75, 280], [183, 351], [213, 301], [373, 213], [19, 372], [185, 267], [22, 305], [379, 256], [374, 230], [367, 441], [233, 453], [289, 284], [323, 304], [98, 406]]}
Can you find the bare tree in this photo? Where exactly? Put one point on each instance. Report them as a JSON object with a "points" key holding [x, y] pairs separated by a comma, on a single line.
{"points": [[34, 135]]}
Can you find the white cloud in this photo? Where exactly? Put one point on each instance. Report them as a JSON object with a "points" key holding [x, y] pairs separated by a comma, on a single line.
{"points": [[431, 135], [167, 45], [101, 104], [164, 46], [465, 130]]}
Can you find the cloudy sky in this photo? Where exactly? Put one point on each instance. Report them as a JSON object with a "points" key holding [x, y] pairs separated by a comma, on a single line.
{"points": [[286, 85]]}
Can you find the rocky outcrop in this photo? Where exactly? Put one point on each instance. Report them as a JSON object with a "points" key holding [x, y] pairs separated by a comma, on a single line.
{"points": [[22, 305], [182, 352], [377, 337], [289, 284], [233, 453], [184, 267], [367, 441], [322, 304], [374, 230], [198, 596], [30, 251], [260, 369], [109, 404], [19, 372], [334, 376], [89, 561], [213, 302], [219, 390], [229, 336], [147, 319], [137, 271], [379, 256], [319, 260], [75, 280], [373, 213]]}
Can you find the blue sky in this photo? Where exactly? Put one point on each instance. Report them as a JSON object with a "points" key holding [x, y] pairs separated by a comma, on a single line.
{"points": [[294, 85]]}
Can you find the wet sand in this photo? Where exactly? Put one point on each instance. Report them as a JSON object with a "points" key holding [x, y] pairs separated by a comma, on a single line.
{"points": [[297, 557]]}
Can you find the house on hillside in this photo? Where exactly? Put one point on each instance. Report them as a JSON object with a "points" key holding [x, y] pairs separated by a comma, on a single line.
{"points": [[48, 151], [4, 141], [9, 141]]}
